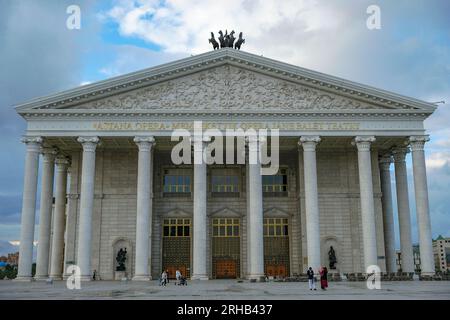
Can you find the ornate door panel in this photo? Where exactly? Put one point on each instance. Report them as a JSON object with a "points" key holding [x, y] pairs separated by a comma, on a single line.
{"points": [[226, 269]]}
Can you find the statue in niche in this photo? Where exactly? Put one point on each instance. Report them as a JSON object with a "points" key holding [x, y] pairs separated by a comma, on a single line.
{"points": [[332, 258], [121, 258]]}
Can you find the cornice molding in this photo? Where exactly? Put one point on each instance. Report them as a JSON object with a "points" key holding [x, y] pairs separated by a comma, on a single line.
{"points": [[144, 115]]}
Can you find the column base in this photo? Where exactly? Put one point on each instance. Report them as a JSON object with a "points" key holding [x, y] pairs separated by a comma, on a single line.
{"points": [[256, 277], [41, 278], [23, 279], [55, 277], [199, 277], [141, 278], [428, 274]]}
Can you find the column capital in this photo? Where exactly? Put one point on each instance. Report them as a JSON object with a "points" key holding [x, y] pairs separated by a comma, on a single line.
{"points": [[144, 143], [32, 143], [62, 161], [363, 142], [89, 143], [385, 162], [417, 143], [399, 153], [309, 143], [49, 154]]}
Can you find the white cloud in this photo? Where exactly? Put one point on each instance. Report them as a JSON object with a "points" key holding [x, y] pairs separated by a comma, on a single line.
{"points": [[184, 26], [438, 160]]}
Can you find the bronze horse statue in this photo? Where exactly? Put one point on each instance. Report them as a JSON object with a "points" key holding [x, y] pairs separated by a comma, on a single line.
{"points": [[239, 42], [221, 39], [231, 39], [227, 40], [213, 41]]}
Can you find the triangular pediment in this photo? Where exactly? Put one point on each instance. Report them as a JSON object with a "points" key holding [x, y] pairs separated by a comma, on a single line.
{"points": [[227, 88], [226, 80], [226, 213]]}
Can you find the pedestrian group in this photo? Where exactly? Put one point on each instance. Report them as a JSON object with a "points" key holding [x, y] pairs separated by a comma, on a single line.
{"points": [[323, 272]]}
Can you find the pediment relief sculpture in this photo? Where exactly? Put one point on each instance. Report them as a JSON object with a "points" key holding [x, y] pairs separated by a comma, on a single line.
{"points": [[227, 88]]}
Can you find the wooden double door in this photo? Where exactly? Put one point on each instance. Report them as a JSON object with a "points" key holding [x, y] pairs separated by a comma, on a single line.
{"points": [[226, 269], [276, 270]]}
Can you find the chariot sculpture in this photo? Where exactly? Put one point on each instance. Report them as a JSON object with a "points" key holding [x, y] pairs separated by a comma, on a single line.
{"points": [[227, 40]]}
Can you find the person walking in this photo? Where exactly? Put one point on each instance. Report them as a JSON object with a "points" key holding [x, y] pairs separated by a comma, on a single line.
{"points": [[178, 276], [323, 278], [311, 280], [164, 278]]}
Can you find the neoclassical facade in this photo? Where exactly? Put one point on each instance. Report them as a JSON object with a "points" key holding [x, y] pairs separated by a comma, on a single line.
{"points": [[109, 182]]}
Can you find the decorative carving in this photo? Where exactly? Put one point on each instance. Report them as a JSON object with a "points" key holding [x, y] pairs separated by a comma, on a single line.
{"points": [[309, 142], [34, 144], [144, 143], [417, 143], [89, 143], [227, 88], [385, 162], [399, 153], [363, 143]]}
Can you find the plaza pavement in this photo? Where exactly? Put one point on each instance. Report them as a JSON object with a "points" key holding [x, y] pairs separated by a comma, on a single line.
{"points": [[224, 289]]}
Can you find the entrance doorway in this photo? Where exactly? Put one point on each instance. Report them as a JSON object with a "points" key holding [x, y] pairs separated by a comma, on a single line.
{"points": [[276, 247], [226, 248], [176, 249]]}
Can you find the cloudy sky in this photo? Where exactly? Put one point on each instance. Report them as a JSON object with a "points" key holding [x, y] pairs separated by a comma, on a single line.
{"points": [[39, 55]]}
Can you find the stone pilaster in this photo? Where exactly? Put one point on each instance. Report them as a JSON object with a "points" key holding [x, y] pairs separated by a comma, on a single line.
{"points": [[311, 200], [404, 216], [388, 213], [144, 208], [86, 206], [33, 145], [367, 203], [59, 219], [45, 216], [422, 206]]}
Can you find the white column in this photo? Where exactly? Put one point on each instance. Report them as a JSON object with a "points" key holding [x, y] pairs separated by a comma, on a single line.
{"points": [[144, 208], [311, 200], [86, 206], [28, 207], [59, 219], [45, 216], [255, 216], [404, 217], [367, 202], [422, 206], [199, 261], [388, 213]]}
